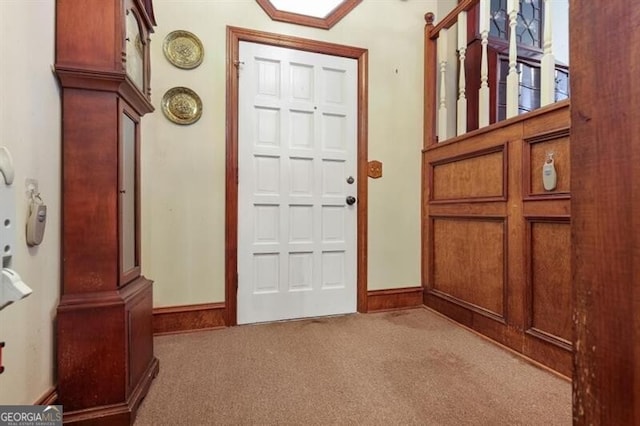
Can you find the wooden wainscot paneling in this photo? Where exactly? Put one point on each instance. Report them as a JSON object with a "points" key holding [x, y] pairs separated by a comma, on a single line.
{"points": [[471, 177], [534, 156], [554, 116], [495, 243], [181, 319], [549, 291], [468, 263], [394, 298]]}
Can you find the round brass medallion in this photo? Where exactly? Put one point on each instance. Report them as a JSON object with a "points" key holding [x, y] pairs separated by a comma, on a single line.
{"points": [[182, 105], [183, 49]]}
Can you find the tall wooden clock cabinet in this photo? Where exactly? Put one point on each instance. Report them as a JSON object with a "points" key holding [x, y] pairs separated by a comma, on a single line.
{"points": [[105, 352]]}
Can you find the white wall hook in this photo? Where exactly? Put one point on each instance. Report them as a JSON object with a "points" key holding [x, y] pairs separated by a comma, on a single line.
{"points": [[6, 165], [12, 288]]}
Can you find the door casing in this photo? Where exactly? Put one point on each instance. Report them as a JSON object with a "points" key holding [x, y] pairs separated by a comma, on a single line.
{"points": [[234, 36]]}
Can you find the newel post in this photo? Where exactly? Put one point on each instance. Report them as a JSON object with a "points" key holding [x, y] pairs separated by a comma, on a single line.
{"points": [[430, 58]]}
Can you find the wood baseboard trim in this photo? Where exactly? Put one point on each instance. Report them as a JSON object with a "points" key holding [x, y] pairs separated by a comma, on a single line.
{"points": [[394, 298], [48, 398], [186, 318], [503, 346]]}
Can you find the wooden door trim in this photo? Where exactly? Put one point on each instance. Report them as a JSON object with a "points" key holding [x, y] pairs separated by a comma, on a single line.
{"points": [[234, 36]]}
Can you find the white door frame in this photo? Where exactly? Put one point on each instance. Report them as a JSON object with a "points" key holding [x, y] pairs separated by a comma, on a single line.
{"points": [[234, 36]]}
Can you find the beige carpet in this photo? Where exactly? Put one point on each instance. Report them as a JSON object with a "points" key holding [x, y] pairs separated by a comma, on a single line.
{"points": [[408, 367]]}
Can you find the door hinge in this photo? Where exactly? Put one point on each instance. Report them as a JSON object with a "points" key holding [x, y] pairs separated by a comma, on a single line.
{"points": [[237, 280], [237, 177], [237, 65]]}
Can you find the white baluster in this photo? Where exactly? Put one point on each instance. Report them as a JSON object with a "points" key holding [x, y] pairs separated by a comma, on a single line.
{"points": [[442, 59], [512, 78], [483, 94], [548, 63], [462, 83]]}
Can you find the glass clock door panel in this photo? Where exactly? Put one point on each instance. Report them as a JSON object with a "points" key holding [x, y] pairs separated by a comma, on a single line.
{"points": [[128, 195]]}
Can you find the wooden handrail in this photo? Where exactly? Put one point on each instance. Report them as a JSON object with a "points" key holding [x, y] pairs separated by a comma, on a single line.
{"points": [[452, 17]]}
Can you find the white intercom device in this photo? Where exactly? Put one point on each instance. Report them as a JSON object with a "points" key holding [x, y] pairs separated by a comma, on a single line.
{"points": [[36, 221], [549, 176]]}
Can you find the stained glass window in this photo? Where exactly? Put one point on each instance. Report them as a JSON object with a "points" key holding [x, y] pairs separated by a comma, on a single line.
{"points": [[529, 23]]}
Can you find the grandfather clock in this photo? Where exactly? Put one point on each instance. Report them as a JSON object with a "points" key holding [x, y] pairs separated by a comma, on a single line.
{"points": [[104, 318]]}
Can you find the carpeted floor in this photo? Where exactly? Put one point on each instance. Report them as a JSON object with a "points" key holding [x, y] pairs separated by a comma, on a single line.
{"points": [[409, 367]]}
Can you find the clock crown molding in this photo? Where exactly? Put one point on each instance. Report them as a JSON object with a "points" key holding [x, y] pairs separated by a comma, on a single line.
{"points": [[105, 81]]}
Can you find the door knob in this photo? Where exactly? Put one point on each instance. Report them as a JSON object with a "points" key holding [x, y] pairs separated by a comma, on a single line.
{"points": [[351, 200]]}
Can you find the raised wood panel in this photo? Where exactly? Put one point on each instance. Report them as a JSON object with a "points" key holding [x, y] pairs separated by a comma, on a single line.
{"points": [[534, 157], [469, 261], [549, 280], [471, 176], [86, 211], [140, 336], [88, 332]]}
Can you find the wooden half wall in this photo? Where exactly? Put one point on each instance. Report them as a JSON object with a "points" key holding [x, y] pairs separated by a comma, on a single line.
{"points": [[497, 245]]}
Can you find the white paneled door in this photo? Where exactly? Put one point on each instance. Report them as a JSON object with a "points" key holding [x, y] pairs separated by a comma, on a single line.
{"points": [[297, 139]]}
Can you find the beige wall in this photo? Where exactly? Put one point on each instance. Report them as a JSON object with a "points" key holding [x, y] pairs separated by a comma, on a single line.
{"points": [[184, 166], [30, 129]]}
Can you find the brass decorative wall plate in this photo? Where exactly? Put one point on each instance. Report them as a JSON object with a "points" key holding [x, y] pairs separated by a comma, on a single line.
{"points": [[374, 171], [182, 105], [183, 49]]}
